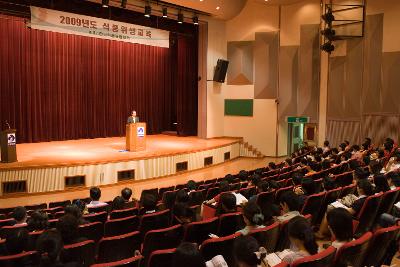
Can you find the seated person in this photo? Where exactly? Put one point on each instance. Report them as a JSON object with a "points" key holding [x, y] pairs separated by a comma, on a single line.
{"points": [[67, 225], [381, 183], [393, 179], [308, 188], [95, 194], [248, 253], [301, 237], [75, 211], [133, 118], [255, 179], [328, 183], [351, 203], [182, 197], [20, 216], [118, 203], [81, 204], [38, 221], [223, 188], [16, 242], [252, 217], [227, 204], [340, 223], [126, 194], [183, 214], [149, 204], [49, 246], [188, 254], [290, 205], [191, 186]]}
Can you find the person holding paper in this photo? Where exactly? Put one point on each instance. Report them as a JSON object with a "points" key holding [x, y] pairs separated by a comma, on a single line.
{"points": [[133, 118]]}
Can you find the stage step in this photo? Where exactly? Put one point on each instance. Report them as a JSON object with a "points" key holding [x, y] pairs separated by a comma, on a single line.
{"points": [[247, 150]]}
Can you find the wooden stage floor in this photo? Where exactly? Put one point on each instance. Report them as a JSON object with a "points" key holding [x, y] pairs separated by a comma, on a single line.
{"points": [[104, 150]]}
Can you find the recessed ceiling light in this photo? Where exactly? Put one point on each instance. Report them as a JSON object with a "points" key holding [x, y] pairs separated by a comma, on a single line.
{"points": [[217, 8]]}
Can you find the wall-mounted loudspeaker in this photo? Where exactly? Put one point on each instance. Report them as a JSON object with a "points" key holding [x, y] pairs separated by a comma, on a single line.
{"points": [[220, 71]]}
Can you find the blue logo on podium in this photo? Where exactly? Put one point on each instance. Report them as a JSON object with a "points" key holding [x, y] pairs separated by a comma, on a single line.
{"points": [[140, 131]]}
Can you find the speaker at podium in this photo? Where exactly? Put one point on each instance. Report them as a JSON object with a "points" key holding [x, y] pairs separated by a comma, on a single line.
{"points": [[8, 144]]}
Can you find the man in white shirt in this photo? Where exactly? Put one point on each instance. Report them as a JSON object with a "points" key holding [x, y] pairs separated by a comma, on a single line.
{"points": [[95, 194]]}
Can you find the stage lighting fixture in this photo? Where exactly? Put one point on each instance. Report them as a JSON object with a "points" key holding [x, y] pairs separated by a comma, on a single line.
{"points": [[180, 18], [123, 3], [165, 12], [328, 17], [195, 20], [105, 3], [329, 33], [328, 47], [147, 11]]}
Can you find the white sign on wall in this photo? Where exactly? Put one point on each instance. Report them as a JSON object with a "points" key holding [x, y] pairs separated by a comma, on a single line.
{"points": [[140, 131], [64, 22]]}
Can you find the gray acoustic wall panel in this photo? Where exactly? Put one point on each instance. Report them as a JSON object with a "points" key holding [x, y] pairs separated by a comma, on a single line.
{"points": [[266, 47], [240, 56], [288, 81], [309, 68]]}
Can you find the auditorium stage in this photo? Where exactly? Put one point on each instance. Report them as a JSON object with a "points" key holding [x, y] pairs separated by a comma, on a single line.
{"points": [[45, 166]]}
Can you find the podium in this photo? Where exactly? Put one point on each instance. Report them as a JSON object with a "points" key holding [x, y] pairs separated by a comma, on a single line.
{"points": [[136, 136], [8, 144]]}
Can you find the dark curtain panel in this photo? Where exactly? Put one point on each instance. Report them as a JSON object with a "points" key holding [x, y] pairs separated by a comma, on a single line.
{"points": [[186, 83], [56, 86]]}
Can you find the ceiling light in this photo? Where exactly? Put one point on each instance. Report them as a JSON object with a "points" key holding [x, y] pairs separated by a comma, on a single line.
{"points": [[105, 3], [180, 18], [123, 3], [195, 20], [164, 12], [147, 11], [217, 8]]}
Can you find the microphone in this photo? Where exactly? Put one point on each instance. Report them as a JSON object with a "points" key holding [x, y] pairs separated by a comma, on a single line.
{"points": [[8, 125]]}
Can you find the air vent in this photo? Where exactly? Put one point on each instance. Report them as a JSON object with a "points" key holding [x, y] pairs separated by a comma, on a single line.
{"points": [[208, 161], [181, 166], [126, 175], [227, 155], [14, 187], [76, 180]]}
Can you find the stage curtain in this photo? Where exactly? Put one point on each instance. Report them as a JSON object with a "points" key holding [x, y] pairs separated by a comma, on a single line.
{"points": [[57, 86]]}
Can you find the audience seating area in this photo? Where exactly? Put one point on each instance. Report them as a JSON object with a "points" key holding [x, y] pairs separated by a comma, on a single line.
{"points": [[115, 237]]}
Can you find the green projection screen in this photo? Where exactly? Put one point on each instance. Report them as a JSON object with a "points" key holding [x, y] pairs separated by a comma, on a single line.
{"points": [[238, 107]]}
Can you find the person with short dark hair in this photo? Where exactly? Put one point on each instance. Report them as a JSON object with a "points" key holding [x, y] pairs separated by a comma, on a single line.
{"points": [[381, 183], [226, 204], [248, 253], [67, 225], [16, 242], [191, 186], [149, 204], [118, 203], [271, 166], [290, 205], [308, 188], [188, 254], [19, 215], [326, 148], [393, 179], [126, 194], [252, 217], [95, 194], [75, 211], [254, 180], [38, 221], [340, 223], [328, 183], [360, 174], [49, 246]]}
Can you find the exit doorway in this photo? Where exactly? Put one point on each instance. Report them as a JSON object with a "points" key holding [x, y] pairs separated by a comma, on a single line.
{"points": [[295, 136]]}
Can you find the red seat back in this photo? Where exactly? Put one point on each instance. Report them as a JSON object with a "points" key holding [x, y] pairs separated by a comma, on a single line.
{"points": [[7, 230], [321, 259], [348, 189], [353, 253], [130, 262], [22, 259], [81, 253], [379, 244], [219, 246], [197, 232], [118, 214], [154, 221], [96, 217], [160, 239], [121, 226], [388, 200], [118, 247], [313, 205], [161, 258], [230, 223], [92, 231], [368, 212], [267, 237]]}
